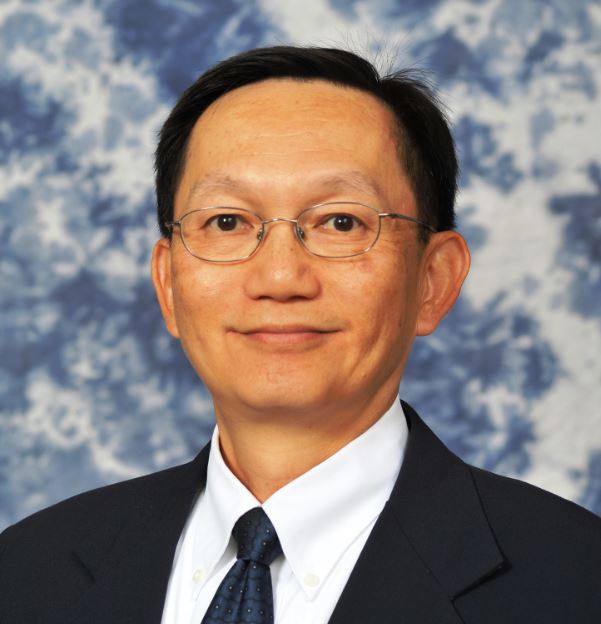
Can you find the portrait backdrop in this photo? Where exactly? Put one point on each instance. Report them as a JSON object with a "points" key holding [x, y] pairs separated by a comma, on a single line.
{"points": [[93, 389]]}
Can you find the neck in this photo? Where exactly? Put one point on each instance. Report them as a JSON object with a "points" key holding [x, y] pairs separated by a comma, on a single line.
{"points": [[266, 452]]}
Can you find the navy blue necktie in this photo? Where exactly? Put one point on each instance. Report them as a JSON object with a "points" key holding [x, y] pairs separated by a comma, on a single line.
{"points": [[245, 595]]}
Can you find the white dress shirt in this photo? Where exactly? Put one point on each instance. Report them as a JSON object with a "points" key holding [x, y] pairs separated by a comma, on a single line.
{"points": [[323, 519]]}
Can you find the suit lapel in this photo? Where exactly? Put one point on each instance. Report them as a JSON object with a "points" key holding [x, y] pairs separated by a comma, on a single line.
{"points": [[431, 543], [130, 568], [391, 584]]}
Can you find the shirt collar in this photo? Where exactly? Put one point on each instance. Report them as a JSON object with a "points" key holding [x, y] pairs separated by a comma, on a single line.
{"points": [[318, 515], [225, 499]]}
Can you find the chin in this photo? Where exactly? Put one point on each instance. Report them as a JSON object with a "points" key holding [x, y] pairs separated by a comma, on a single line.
{"points": [[290, 399]]}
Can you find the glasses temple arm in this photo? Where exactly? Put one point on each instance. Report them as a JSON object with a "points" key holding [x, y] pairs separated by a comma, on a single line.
{"points": [[396, 215]]}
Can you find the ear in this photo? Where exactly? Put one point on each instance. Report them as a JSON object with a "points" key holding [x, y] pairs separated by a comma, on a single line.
{"points": [[161, 278], [445, 264]]}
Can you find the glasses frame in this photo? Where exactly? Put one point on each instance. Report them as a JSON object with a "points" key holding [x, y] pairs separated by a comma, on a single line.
{"points": [[299, 234]]}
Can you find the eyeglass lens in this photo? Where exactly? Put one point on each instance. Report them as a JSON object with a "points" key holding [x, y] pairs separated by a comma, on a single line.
{"points": [[334, 230]]}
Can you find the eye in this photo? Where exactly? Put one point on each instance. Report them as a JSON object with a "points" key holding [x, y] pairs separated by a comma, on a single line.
{"points": [[341, 222], [225, 222]]}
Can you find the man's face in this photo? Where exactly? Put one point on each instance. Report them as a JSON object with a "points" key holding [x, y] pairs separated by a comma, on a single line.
{"points": [[286, 330]]}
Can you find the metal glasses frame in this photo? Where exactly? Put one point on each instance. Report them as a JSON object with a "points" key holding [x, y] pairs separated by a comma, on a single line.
{"points": [[299, 234]]}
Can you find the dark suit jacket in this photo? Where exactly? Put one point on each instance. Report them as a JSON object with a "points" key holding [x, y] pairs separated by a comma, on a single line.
{"points": [[453, 544]]}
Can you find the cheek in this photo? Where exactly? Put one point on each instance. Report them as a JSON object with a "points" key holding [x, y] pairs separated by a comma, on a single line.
{"points": [[385, 303], [200, 295]]}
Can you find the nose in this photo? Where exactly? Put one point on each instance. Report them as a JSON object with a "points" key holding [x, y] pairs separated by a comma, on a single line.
{"points": [[282, 268]]}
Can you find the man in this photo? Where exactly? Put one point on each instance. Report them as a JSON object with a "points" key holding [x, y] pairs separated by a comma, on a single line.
{"points": [[306, 208]]}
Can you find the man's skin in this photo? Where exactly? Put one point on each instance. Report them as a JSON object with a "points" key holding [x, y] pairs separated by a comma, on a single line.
{"points": [[301, 354]]}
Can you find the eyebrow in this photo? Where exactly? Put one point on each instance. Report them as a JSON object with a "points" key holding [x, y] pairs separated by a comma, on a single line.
{"points": [[216, 181], [355, 180], [347, 180]]}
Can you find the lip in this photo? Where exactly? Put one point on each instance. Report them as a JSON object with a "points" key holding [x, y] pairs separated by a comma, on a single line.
{"points": [[286, 329], [286, 334]]}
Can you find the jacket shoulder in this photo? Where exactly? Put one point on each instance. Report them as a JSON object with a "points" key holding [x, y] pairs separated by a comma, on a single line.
{"points": [[98, 512], [49, 560], [508, 500], [552, 552]]}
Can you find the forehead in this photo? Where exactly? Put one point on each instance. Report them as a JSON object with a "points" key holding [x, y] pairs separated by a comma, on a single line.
{"points": [[289, 132], [301, 98]]}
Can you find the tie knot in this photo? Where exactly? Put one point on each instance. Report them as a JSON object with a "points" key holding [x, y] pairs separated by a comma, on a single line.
{"points": [[256, 538]]}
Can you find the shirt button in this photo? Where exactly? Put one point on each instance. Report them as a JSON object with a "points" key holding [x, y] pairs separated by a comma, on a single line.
{"points": [[198, 575], [311, 580]]}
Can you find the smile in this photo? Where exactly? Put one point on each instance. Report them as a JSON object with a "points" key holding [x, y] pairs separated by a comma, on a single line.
{"points": [[286, 334]]}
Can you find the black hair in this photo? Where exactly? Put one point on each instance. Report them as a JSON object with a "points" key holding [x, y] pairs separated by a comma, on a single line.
{"points": [[426, 147]]}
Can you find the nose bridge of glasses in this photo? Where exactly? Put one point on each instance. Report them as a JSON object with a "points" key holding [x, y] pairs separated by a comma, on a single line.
{"points": [[298, 232]]}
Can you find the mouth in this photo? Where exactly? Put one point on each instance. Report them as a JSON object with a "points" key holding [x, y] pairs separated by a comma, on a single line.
{"points": [[286, 334]]}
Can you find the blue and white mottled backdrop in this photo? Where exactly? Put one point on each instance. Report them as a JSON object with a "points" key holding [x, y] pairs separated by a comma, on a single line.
{"points": [[92, 388]]}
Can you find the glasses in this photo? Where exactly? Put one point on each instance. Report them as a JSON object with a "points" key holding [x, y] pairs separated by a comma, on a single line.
{"points": [[328, 230]]}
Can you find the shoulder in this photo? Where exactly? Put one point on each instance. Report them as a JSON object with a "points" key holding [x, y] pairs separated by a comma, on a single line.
{"points": [[549, 540], [543, 552], [513, 502], [62, 550], [513, 508], [100, 512]]}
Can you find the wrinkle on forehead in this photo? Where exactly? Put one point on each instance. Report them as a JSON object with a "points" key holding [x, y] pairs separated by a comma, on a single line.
{"points": [[347, 180]]}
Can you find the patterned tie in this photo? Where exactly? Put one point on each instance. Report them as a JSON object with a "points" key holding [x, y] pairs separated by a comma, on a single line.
{"points": [[245, 594]]}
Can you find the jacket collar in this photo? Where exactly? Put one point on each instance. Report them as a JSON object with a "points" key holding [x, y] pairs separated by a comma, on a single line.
{"points": [[438, 507], [431, 543]]}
